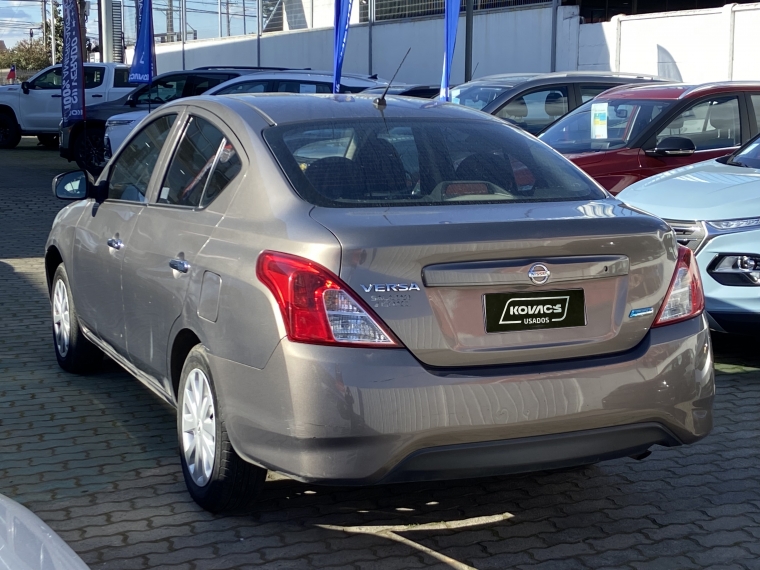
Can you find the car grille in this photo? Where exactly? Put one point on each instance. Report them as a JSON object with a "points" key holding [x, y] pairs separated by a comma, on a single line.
{"points": [[688, 232]]}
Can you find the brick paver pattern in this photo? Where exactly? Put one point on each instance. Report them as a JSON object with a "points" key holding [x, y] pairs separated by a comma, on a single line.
{"points": [[96, 458]]}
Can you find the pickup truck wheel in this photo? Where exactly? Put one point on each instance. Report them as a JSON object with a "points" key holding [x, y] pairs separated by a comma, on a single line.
{"points": [[218, 479], [10, 133], [48, 141], [89, 150]]}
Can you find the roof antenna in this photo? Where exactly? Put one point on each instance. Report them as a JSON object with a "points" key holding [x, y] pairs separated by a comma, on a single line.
{"points": [[380, 102], [474, 70]]}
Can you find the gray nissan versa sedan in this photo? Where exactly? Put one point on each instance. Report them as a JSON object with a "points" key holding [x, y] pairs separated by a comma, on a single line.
{"points": [[355, 291]]}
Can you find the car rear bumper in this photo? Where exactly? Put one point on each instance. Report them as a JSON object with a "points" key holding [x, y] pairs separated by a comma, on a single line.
{"points": [[362, 416]]}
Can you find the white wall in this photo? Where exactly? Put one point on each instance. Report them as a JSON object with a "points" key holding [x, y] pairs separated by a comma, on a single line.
{"points": [[693, 45], [503, 41]]}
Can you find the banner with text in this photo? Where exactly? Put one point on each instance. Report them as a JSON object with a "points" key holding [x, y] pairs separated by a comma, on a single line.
{"points": [[451, 20], [72, 66], [342, 17], [143, 68]]}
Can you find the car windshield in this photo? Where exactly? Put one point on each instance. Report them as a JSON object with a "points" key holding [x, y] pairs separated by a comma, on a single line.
{"points": [[477, 96], [602, 125], [405, 162], [748, 156]]}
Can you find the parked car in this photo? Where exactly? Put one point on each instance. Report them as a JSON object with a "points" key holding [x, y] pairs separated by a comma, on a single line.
{"points": [[83, 142], [27, 543], [354, 292], [714, 209], [269, 81], [533, 101], [34, 107], [630, 133]]}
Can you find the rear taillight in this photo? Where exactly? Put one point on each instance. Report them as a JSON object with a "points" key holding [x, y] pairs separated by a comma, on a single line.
{"points": [[685, 298], [317, 307]]}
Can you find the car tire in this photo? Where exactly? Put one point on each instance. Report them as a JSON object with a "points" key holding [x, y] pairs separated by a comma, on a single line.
{"points": [[10, 132], [89, 149], [48, 141], [216, 477], [74, 352]]}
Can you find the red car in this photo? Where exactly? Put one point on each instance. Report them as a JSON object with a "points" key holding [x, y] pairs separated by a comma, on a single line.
{"points": [[632, 132]]}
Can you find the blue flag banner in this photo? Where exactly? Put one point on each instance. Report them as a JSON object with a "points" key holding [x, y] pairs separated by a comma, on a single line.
{"points": [[451, 20], [143, 67], [342, 17], [72, 66]]}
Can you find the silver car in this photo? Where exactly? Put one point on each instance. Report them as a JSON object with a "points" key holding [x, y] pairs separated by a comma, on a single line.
{"points": [[355, 290]]}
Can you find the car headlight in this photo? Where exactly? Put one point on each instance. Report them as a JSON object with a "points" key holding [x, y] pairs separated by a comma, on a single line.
{"points": [[119, 122], [738, 270], [735, 224]]}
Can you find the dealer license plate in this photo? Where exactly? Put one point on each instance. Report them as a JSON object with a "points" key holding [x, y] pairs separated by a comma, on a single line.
{"points": [[507, 312]]}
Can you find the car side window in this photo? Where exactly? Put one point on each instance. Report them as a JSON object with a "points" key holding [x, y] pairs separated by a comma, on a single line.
{"points": [[93, 77], [303, 87], [202, 166], [588, 92], [537, 110], [133, 167], [201, 84], [710, 124], [245, 87], [756, 106], [121, 78], [163, 90], [49, 80]]}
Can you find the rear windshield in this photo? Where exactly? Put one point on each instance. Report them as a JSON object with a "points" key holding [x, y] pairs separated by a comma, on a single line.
{"points": [[394, 162], [602, 125]]}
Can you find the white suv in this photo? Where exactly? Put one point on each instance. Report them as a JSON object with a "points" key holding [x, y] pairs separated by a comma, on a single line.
{"points": [[34, 106], [118, 127]]}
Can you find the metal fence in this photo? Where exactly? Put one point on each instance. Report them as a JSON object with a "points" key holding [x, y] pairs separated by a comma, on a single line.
{"points": [[399, 9], [21, 75]]}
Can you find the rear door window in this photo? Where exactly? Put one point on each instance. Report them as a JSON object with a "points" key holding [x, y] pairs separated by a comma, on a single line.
{"points": [[246, 87], [121, 78], [394, 162], [202, 166], [303, 87], [710, 124], [535, 111], [588, 92]]}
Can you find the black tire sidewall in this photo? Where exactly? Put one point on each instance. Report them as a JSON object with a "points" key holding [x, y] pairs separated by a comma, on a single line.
{"points": [[14, 138], [210, 494]]}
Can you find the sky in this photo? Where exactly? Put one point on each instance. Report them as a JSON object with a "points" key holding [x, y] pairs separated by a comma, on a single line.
{"points": [[18, 16]]}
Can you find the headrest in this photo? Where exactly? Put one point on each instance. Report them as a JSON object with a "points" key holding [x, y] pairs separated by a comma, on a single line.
{"points": [[722, 116], [517, 109], [556, 104]]}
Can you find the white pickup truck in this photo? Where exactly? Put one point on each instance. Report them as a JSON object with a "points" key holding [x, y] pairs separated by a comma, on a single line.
{"points": [[34, 107]]}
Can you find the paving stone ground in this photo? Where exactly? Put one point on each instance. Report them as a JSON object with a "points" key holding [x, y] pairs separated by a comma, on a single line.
{"points": [[95, 457]]}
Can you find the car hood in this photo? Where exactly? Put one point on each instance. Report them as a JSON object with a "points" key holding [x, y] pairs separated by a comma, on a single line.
{"points": [[8, 88], [103, 111], [704, 191], [132, 116]]}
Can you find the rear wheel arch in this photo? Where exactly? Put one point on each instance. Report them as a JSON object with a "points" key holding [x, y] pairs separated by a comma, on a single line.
{"points": [[184, 341]]}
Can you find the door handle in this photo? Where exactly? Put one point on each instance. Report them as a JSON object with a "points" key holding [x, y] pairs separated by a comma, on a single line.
{"points": [[179, 265], [115, 243], [97, 96], [56, 96]]}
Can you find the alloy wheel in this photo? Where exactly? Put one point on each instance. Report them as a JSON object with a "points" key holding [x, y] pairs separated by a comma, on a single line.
{"points": [[198, 427], [61, 318]]}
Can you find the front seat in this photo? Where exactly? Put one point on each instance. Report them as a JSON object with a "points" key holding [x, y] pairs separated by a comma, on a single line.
{"points": [[382, 168], [336, 178], [555, 105], [723, 118], [515, 111]]}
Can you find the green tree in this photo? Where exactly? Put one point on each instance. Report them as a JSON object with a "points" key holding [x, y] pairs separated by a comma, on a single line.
{"points": [[28, 54]]}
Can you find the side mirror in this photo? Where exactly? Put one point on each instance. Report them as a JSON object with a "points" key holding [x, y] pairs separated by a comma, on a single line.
{"points": [[132, 100], [76, 185], [70, 185], [673, 146], [25, 87]]}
